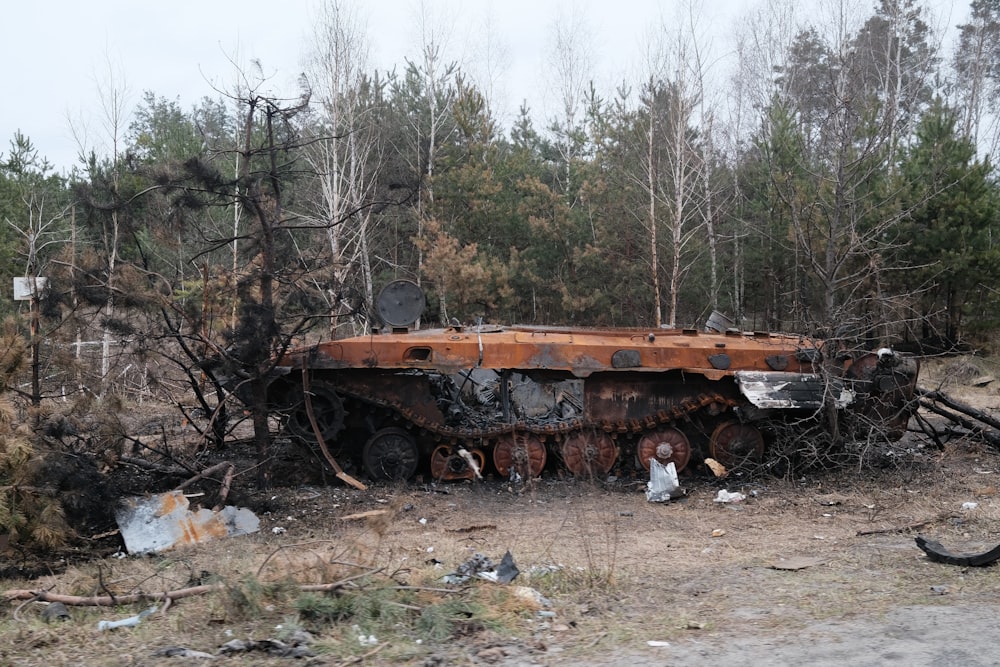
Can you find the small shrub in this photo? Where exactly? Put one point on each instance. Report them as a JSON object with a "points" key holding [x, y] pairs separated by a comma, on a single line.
{"points": [[438, 622], [325, 608]]}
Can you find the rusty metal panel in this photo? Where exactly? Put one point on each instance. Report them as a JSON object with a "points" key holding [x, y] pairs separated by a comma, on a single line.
{"points": [[581, 352], [396, 389], [622, 397]]}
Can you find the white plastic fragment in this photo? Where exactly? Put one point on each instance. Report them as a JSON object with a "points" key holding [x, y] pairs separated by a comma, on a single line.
{"points": [[970, 506], [724, 496], [129, 622], [470, 461], [363, 639], [662, 481], [654, 642]]}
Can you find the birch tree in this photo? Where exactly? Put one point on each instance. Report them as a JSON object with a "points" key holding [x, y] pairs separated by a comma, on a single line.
{"points": [[114, 97], [674, 95], [346, 155], [423, 99], [976, 62], [569, 76]]}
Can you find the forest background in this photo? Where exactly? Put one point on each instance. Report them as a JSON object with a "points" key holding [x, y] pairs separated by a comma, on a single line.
{"points": [[838, 181]]}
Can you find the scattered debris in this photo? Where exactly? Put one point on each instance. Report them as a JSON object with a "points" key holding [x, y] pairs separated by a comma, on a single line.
{"points": [[471, 461], [718, 532], [507, 571], [938, 553], [271, 646], [939, 590], [831, 500], [482, 567], [530, 596], [724, 496], [181, 652], [129, 622], [796, 563], [717, 468], [658, 644], [969, 506], [662, 482], [363, 639], [542, 570], [164, 521], [55, 611]]}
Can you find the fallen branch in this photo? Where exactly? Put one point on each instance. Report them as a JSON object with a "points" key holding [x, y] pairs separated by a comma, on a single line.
{"points": [[978, 431], [958, 406], [164, 454], [341, 475], [154, 467], [363, 515], [108, 600], [227, 482], [902, 529], [166, 596], [203, 474], [361, 658]]}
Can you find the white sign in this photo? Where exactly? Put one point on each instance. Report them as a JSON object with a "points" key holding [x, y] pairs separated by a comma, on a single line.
{"points": [[25, 288]]}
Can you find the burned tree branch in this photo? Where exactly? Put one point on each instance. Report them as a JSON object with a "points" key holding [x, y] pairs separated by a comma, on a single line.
{"points": [[958, 406], [979, 431]]}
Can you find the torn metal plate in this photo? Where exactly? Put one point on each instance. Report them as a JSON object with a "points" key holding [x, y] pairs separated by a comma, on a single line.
{"points": [[791, 390], [164, 521]]}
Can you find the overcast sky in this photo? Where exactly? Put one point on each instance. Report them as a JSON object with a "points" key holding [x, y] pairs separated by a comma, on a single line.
{"points": [[57, 53]]}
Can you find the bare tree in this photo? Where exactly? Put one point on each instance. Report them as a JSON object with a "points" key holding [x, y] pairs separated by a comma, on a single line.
{"points": [[347, 151], [762, 42], [114, 97], [428, 94], [490, 62], [674, 95], [570, 76], [843, 221], [976, 62]]}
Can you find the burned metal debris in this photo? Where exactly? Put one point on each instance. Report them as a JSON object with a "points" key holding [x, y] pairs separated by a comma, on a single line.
{"points": [[483, 567], [164, 521], [939, 554]]}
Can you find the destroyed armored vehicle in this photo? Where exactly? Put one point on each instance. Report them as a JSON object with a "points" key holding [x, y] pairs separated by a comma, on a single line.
{"points": [[460, 402]]}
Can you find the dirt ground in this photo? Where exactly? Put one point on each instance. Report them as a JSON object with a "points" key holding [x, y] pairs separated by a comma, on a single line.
{"points": [[818, 570]]}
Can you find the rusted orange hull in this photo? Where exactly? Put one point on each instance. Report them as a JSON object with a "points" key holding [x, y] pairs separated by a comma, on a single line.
{"points": [[517, 400]]}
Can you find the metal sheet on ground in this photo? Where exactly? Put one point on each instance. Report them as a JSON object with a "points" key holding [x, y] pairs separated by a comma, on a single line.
{"points": [[164, 521]]}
